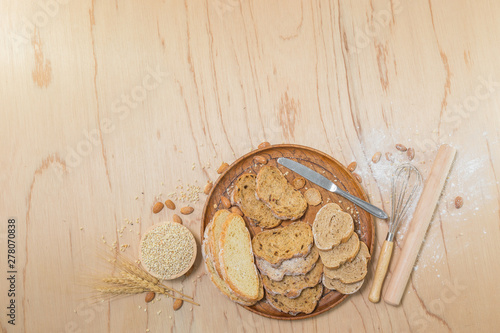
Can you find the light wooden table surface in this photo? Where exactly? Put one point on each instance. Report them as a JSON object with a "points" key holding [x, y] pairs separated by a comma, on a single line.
{"points": [[108, 104]]}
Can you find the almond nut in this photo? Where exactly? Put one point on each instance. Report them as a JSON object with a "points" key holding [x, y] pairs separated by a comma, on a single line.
{"points": [[177, 304], [207, 188], [225, 202], [149, 296], [223, 167], [388, 156], [410, 153], [401, 147], [157, 207], [376, 157], [177, 219], [260, 159], [187, 210], [170, 204], [358, 177], [264, 144], [298, 183], [351, 167], [459, 202], [236, 210]]}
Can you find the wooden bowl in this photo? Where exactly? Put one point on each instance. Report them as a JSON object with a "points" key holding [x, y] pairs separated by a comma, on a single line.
{"points": [[318, 161], [179, 274]]}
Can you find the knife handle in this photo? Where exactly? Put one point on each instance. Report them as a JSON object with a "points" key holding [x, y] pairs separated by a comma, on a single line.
{"points": [[375, 211], [382, 265]]}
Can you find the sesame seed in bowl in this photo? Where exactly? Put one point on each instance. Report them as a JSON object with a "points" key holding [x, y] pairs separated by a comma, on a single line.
{"points": [[167, 250]]}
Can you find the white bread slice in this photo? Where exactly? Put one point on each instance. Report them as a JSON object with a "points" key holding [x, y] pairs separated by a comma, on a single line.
{"points": [[331, 227], [294, 266], [341, 253], [351, 272], [218, 223], [237, 260]]}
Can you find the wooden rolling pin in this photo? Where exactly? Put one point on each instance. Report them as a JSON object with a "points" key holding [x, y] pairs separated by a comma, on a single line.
{"points": [[419, 224]]}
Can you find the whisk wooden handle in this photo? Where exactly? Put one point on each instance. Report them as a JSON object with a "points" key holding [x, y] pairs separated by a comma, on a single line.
{"points": [[382, 265]]}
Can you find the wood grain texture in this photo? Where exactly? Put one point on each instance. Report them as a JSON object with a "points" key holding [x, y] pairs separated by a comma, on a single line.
{"points": [[105, 105], [317, 161]]}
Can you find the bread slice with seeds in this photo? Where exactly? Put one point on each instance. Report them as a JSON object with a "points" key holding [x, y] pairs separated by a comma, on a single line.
{"points": [[237, 260], [292, 285], [277, 245], [341, 253], [351, 272], [343, 288], [218, 223], [305, 303], [294, 266], [274, 190], [331, 227], [244, 196]]}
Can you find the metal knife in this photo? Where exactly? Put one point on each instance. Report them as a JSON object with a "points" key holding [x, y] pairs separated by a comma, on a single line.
{"points": [[328, 185]]}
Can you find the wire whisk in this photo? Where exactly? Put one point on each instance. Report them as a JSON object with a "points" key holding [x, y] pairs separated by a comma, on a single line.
{"points": [[406, 186]]}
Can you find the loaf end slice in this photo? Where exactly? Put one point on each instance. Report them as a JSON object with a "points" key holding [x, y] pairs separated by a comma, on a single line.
{"points": [[237, 260]]}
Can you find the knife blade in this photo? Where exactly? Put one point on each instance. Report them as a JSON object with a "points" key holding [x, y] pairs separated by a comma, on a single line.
{"points": [[328, 185]]}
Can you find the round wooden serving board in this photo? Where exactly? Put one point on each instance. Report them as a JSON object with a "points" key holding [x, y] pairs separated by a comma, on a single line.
{"points": [[321, 163]]}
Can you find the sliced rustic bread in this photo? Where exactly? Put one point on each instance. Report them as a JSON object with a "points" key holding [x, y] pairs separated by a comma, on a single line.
{"points": [[292, 285], [274, 190], [294, 266], [237, 260], [351, 272], [277, 245], [331, 227], [244, 196], [305, 303], [218, 223], [343, 288], [341, 253]]}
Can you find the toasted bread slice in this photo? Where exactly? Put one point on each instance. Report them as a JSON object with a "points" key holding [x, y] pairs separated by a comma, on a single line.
{"points": [[351, 272], [244, 196], [292, 285], [331, 227], [274, 190], [341, 253], [218, 223], [237, 260], [343, 288], [305, 303], [313, 196], [294, 266], [277, 245]]}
